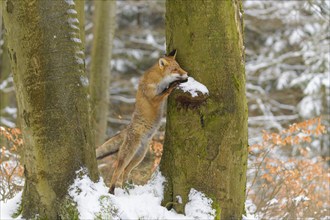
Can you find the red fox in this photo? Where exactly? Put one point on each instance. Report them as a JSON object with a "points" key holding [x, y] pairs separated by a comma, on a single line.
{"points": [[132, 142]]}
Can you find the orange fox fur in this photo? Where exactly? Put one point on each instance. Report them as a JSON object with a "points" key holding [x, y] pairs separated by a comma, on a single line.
{"points": [[132, 142]]}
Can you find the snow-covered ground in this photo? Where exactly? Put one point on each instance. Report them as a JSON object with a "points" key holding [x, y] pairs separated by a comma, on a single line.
{"points": [[10, 207], [138, 202]]}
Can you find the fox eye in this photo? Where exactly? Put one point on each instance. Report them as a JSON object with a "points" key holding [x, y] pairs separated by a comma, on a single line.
{"points": [[175, 69]]}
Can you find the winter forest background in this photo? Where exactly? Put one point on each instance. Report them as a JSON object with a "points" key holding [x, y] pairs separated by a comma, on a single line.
{"points": [[287, 52]]}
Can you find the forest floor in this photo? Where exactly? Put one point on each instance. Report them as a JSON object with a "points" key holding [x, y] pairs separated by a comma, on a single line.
{"points": [[132, 202]]}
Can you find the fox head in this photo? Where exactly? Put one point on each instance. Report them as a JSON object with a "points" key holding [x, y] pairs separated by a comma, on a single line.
{"points": [[171, 70]]}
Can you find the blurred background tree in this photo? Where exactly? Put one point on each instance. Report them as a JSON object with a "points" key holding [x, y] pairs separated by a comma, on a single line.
{"points": [[7, 92], [104, 29]]}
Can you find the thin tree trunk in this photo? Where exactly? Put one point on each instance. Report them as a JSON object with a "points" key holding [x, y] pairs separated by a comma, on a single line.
{"points": [[5, 69], [51, 89], [206, 140], [4, 75], [100, 68]]}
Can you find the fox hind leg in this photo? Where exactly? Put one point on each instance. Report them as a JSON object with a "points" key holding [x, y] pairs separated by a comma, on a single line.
{"points": [[135, 161], [126, 153], [122, 163]]}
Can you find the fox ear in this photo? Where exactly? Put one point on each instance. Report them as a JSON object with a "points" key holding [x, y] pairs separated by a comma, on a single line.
{"points": [[162, 62], [172, 54]]}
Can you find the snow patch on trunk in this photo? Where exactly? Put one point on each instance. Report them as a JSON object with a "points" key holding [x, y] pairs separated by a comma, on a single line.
{"points": [[193, 87]]}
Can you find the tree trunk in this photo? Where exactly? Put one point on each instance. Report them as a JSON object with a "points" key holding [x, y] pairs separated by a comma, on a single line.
{"points": [[4, 69], [100, 68], [206, 140], [51, 88], [4, 75]]}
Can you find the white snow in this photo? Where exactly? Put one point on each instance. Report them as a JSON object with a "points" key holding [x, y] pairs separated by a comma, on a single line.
{"points": [[72, 11], [9, 207], [86, 194], [7, 122], [134, 202], [199, 206], [80, 53], [179, 199], [73, 20], [150, 39], [73, 23], [299, 199], [69, 2], [10, 110], [76, 40], [4, 84], [79, 60], [193, 87], [137, 202], [74, 27], [272, 201], [309, 106], [249, 217], [84, 81], [119, 65], [250, 207]]}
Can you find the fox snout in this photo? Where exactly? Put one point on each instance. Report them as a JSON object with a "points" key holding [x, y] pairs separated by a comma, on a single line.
{"points": [[183, 78]]}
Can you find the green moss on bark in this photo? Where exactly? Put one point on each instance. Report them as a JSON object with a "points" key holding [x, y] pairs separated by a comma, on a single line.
{"points": [[206, 147]]}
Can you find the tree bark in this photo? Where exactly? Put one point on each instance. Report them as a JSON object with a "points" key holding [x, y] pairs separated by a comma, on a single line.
{"points": [[51, 88], [105, 12], [206, 140]]}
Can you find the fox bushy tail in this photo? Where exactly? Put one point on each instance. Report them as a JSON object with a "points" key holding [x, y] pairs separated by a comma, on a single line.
{"points": [[111, 146]]}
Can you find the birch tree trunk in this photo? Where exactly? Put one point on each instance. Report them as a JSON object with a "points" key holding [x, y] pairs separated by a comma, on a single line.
{"points": [[206, 140], [104, 28], [51, 88]]}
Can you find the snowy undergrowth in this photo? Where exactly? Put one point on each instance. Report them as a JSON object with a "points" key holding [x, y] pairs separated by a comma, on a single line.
{"points": [[10, 207], [138, 202]]}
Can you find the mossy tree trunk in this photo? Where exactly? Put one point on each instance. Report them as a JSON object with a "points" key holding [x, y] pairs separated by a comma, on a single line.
{"points": [[206, 140], [49, 75], [104, 28]]}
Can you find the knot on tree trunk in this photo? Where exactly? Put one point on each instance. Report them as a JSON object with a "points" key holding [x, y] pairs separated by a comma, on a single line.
{"points": [[186, 101]]}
